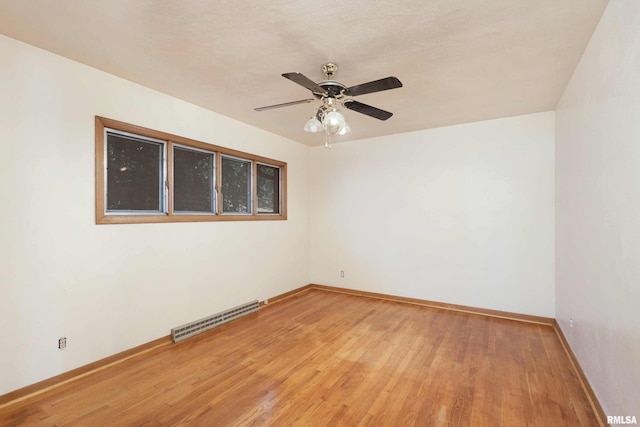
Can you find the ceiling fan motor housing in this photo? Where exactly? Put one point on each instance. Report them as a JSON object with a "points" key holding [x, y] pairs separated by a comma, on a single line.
{"points": [[334, 88]]}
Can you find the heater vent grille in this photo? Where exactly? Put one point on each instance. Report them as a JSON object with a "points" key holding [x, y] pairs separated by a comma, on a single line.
{"points": [[190, 329]]}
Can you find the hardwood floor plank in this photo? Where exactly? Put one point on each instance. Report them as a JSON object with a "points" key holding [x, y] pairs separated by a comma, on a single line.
{"points": [[325, 358]]}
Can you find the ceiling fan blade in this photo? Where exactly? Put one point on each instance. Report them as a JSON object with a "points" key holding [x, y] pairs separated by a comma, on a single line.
{"points": [[374, 86], [285, 104], [305, 81], [367, 109]]}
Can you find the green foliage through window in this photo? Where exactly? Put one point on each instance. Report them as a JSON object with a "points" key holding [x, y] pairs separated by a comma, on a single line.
{"points": [[236, 185], [134, 174], [193, 181], [268, 189]]}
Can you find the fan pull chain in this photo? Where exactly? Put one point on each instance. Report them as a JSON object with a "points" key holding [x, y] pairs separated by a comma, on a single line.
{"points": [[327, 141]]}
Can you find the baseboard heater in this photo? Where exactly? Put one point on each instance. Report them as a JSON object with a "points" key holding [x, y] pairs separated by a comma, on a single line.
{"points": [[193, 328]]}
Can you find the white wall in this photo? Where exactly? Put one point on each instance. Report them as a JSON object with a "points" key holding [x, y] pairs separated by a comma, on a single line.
{"points": [[461, 214], [598, 210], [108, 288]]}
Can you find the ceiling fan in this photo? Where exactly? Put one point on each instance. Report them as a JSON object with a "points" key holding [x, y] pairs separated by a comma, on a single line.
{"points": [[331, 92]]}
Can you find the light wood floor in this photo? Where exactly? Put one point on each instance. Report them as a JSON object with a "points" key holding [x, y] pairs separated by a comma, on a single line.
{"points": [[328, 359]]}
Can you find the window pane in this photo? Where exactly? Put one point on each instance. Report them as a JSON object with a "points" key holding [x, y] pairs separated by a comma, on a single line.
{"points": [[236, 185], [134, 174], [268, 189], [193, 179]]}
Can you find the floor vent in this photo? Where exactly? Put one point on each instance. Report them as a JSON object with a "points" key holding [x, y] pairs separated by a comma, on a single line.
{"points": [[190, 329]]}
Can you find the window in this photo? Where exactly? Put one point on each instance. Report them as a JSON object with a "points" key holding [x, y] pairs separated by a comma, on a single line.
{"points": [[193, 180], [268, 187], [134, 174], [143, 175], [236, 185]]}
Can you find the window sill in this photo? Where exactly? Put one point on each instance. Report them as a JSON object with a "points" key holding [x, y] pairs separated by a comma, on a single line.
{"points": [[143, 219]]}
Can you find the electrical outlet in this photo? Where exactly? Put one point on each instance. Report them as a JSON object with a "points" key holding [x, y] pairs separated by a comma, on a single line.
{"points": [[62, 343], [571, 323], [342, 273]]}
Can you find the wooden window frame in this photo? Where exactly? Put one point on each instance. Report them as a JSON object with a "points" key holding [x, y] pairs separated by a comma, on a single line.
{"points": [[102, 217]]}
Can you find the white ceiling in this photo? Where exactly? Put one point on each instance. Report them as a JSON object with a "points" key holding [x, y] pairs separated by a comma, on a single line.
{"points": [[460, 61]]}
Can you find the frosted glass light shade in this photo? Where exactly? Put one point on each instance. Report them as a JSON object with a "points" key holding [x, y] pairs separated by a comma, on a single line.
{"points": [[313, 125], [333, 122], [345, 129]]}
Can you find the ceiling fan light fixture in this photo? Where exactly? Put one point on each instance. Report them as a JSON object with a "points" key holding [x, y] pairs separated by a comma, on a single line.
{"points": [[333, 122], [313, 125]]}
